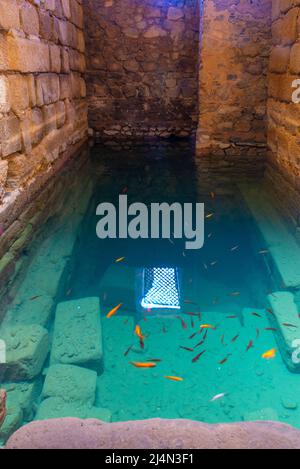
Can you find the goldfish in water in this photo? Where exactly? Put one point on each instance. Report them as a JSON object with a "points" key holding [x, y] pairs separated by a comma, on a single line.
{"points": [[256, 314], [183, 324], [120, 259], [189, 349], [196, 358], [193, 335], [249, 346], [128, 350], [143, 364], [138, 332], [207, 326], [234, 338], [269, 354], [174, 378], [114, 310], [209, 215]]}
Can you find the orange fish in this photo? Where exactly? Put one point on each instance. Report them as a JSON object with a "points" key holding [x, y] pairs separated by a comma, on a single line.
{"points": [[209, 215], [143, 364], [138, 332], [207, 326], [114, 310], [269, 354], [174, 378]]}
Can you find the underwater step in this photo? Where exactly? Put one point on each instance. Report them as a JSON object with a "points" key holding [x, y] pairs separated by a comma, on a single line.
{"points": [[286, 320], [77, 337], [56, 407], [26, 350], [281, 244], [71, 383]]}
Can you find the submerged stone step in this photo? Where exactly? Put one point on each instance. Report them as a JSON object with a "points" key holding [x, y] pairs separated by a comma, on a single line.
{"points": [[27, 348], [77, 337], [71, 383], [286, 320], [56, 407], [282, 245]]}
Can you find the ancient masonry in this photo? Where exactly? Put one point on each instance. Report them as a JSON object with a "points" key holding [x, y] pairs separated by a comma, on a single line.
{"points": [[283, 114], [42, 90], [142, 67], [235, 43]]}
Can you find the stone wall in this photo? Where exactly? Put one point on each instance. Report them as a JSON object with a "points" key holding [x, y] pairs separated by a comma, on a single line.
{"points": [[235, 43], [42, 92], [283, 113], [142, 61]]}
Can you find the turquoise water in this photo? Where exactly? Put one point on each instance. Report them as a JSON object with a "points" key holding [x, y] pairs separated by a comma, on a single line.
{"points": [[221, 285]]}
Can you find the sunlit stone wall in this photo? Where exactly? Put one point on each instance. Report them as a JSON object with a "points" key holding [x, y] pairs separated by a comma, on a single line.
{"points": [[235, 44], [142, 67], [42, 91], [283, 113]]}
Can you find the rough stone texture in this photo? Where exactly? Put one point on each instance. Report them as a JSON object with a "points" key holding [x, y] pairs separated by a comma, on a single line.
{"points": [[153, 434], [235, 42], [26, 350], [142, 60], [56, 407], [77, 337], [283, 113], [41, 64], [70, 383]]}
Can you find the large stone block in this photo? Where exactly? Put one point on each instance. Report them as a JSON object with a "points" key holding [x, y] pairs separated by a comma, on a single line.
{"points": [[9, 15], [55, 407], [47, 86], [279, 59], [27, 55], [10, 135], [295, 59], [77, 337], [26, 351], [70, 383], [5, 103], [29, 18], [18, 87], [287, 321]]}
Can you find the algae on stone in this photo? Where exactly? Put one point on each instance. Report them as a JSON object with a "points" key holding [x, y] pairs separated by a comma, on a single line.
{"points": [[77, 338], [27, 348], [56, 407], [70, 383]]}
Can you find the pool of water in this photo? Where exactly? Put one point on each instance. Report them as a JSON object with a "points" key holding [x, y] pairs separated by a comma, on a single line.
{"points": [[67, 272]]}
